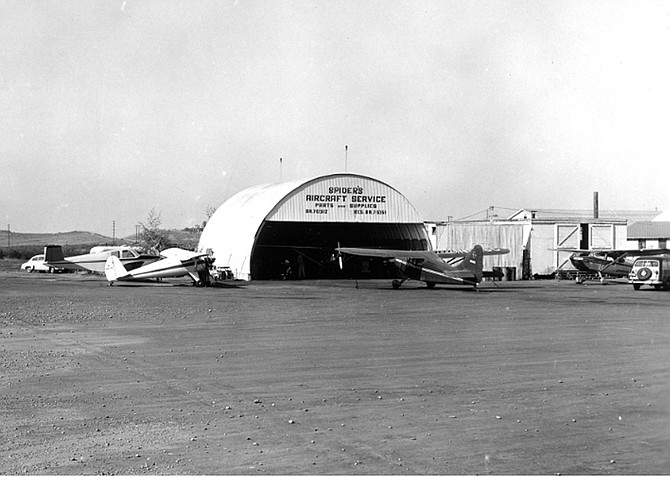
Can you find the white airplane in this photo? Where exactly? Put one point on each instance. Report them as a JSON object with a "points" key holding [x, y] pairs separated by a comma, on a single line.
{"points": [[431, 267], [174, 262], [95, 260]]}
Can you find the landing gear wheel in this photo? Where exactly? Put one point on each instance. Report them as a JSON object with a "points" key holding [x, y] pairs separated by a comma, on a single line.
{"points": [[430, 284], [396, 284], [636, 286]]}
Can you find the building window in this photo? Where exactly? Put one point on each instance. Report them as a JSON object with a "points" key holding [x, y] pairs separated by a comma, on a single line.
{"points": [[662, 243], [641, 244]]}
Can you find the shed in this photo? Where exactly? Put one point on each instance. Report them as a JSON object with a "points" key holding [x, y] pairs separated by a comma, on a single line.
{"points": [[512, 235]]}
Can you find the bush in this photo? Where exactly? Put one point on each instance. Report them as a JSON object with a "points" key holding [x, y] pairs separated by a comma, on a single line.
{"points": [[21, 252], [25, 252]]}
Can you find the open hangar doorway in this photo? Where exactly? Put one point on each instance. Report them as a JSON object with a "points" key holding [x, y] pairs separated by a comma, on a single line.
{"points": [[306, 250]]}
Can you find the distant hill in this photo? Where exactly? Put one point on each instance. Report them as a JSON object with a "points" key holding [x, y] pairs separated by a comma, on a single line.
{"points": [[75, 237], [187, 239], [180, 238]]}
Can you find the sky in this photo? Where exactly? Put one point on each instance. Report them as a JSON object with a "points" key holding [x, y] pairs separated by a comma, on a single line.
{"points": [[111, 109]]}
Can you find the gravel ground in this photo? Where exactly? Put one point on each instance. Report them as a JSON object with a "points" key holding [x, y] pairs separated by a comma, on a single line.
{"points": [[324, 378]]}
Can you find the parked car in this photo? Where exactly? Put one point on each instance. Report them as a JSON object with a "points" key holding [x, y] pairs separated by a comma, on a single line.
{"points": [[36, 264], [653, 271]]}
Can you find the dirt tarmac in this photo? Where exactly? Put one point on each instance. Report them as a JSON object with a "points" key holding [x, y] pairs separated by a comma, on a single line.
{"points": [[537, 377]]}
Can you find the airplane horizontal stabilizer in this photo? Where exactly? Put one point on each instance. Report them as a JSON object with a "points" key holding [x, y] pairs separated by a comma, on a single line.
{"points": [[114, 269]]}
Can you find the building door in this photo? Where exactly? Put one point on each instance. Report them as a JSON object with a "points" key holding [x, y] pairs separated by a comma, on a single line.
{"points": [[567, 239], [601, 236]]}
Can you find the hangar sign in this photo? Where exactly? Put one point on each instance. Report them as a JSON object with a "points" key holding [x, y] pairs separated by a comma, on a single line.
{"points": [[342, 198], [346, 199]]}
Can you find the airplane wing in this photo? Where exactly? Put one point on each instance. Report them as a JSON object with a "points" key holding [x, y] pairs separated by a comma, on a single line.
{"points": [[646, 251], [424, 256], [386, 253], [463, 253], [649, 251], [181, 254], [569, 249]]}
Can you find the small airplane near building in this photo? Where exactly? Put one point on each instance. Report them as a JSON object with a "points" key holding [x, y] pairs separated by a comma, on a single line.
{"points": [[614, 263], [174, 262], [432, 267], [95, 260]]}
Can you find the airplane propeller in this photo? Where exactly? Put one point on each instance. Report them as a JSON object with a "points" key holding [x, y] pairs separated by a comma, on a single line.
{"points": [[340, 262], [338, 256]]}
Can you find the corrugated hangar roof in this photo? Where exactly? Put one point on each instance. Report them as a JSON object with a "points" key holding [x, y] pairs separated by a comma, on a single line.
{"points": [[582, 216], [649, 230], [232, 230]]}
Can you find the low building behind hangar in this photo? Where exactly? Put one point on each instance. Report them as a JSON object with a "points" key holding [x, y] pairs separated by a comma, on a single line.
{"points": [[263, 231], [540, 241]]}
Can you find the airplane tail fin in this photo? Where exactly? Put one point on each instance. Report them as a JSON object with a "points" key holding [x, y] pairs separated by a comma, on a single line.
{"points": [[53, 253], [474, 261], [114, 269]]}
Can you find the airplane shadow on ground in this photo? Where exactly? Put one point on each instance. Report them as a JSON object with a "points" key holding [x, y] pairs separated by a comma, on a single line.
{"points": [[235, 284], [489, 287], [154, 283]]}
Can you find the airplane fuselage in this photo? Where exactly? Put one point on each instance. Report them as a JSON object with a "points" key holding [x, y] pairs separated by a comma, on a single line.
{"points": [[617, 265], [414, 269], [174, 263], [95, 262], [166, 268]]}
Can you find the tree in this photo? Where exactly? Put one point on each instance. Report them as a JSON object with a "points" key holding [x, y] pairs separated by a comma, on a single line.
{"points": [[153, 238], [209, 211]]}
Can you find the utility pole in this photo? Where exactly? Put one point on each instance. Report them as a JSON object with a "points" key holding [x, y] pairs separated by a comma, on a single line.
{"points": [[113, 232]]}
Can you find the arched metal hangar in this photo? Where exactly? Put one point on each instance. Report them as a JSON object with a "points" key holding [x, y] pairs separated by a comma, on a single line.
{"points": [[291, 229]]}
